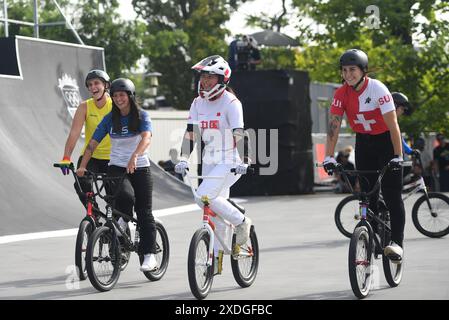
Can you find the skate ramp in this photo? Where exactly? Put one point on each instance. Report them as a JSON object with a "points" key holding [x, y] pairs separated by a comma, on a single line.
{"points": [[40, 88]]}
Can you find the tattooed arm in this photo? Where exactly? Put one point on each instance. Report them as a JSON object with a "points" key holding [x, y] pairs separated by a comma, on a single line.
{"points": [[332, 134], [86, 156]]}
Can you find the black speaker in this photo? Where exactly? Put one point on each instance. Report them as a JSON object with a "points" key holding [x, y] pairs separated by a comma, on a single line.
{"points": [[276, 99]]}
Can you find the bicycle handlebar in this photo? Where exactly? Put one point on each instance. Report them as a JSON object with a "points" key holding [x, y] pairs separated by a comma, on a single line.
{"points": [[96, 176], [196, 195], [345, 173]]}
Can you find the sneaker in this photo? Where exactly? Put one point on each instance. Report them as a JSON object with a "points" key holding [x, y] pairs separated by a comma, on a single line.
{"points": [[149, 263], [242, 231], [394, 252], [123, 225]]}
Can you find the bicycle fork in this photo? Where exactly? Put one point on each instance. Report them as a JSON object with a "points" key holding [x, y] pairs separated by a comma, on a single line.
{"points": [[210, 227]]}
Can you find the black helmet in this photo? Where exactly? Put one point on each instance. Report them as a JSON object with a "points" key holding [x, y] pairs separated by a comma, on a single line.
{"points": [[123, 84], [98, 74], [354, 57], [401, 99]]}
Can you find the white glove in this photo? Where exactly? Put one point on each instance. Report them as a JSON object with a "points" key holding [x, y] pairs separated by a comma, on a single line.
{"points": [[241, 168], [181, 167], [329, 165], [396, 162]]}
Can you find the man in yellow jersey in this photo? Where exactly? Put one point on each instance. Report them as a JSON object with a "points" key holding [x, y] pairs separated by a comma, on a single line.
{"points": [[90, 113]]}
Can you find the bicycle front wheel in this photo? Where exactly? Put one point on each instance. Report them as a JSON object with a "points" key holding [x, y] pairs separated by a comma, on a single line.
{"points": [[347, 215], [84, 231], [103, 259], [162, 254], [245, 260], [432, 222], [360, 262], [200, 274]]}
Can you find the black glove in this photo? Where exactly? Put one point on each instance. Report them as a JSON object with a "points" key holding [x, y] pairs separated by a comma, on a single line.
{"points": [[416, 153]]}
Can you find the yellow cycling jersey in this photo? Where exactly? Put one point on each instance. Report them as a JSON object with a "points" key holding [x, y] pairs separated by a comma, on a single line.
{"points": [[94, 116]]}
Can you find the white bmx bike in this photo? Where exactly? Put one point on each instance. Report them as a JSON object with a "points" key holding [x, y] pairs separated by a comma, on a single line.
{"points": [[200, 265]]}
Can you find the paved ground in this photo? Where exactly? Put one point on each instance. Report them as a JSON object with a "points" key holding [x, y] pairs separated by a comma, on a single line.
{"points": [[302, 256]]}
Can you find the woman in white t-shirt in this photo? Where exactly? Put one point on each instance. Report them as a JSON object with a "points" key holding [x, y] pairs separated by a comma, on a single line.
{"points": [[217, 116]]}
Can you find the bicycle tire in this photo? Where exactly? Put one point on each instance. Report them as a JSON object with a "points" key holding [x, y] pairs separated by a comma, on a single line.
{"points": [[246, 279], [162, 254], [125, 253], [418, 215], [85, 229], [345, 203], [106, 236], [393, 272], [360, 261], [200, 289]]}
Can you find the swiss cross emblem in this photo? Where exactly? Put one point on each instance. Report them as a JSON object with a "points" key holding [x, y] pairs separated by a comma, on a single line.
{"points": [[364, 122]]}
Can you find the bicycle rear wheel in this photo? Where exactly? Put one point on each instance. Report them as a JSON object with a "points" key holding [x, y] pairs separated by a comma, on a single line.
{"points": [[200, 274], [162, 254], [360, 262], [103, 259], [432, 222], [347, 215], [84, 231], [393, 272], [245, 262]]}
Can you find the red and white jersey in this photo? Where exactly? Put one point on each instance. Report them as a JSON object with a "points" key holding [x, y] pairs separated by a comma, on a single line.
{"points": [[216, 119], [364, 108]]}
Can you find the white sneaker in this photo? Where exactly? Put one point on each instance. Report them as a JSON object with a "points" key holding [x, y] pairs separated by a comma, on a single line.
{"points": [[149, 263], [123, 225], [242, 231], [394, 252]]}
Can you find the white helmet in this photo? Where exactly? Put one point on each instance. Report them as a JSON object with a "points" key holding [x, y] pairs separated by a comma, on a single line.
{"points": [[213, 65]]}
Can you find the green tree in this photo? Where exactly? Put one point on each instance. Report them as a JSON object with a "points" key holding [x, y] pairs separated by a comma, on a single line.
{"points": [[98, 23], [405, 52], [180, 33]]}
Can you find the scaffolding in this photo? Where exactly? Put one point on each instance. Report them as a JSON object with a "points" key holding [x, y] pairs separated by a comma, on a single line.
{"points": [[36, 23]]}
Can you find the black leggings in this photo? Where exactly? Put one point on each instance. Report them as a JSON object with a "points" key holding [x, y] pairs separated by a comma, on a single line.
{"points": [[94, 165], [137, 190], [373, 152]]}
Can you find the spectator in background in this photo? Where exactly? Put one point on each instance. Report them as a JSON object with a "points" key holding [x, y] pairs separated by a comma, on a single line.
{"points": [[244, 54], [343, 159], [441, 158], [170, 164], [426, 163]]}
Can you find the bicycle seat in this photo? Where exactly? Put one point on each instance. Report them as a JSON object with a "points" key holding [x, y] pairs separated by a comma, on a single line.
{"points": [[239, 208]]}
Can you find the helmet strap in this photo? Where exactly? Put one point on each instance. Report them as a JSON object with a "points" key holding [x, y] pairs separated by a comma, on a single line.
{"points": [[359, 82]]}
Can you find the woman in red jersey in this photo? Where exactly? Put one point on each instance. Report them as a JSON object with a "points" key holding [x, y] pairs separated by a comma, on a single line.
{"points": [[370, 110]]}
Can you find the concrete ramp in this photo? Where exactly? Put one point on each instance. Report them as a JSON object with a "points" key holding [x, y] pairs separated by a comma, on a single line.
{"points": [[38, 97]]}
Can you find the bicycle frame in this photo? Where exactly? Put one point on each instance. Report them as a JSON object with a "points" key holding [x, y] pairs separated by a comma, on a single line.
{"points": [[364, 199], [209, 225]]}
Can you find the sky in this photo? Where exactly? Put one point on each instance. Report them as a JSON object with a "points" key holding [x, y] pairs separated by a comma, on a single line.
{"points": [[237, 22]]}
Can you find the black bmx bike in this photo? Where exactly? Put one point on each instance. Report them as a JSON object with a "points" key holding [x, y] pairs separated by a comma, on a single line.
{"points": [[430, 212], [109, 246], [368, 243]]}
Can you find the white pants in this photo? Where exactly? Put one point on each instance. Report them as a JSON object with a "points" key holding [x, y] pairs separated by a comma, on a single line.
{"points": [[220, 205]]}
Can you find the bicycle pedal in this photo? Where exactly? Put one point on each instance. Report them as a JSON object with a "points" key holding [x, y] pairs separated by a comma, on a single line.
{"points": [[236, 250]]}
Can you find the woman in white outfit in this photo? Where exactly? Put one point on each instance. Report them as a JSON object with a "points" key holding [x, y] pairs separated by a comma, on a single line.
{"points": [[217, 116]]}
